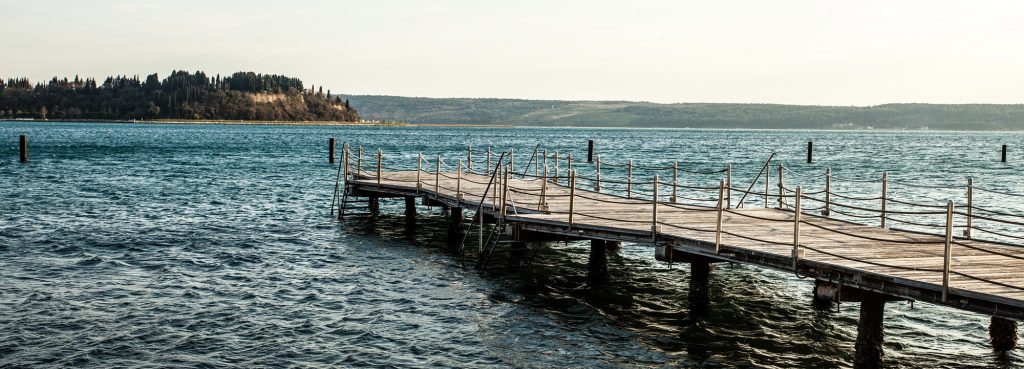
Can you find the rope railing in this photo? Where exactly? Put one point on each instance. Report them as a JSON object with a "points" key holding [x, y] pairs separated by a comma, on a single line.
{"points": [[855, 205]]}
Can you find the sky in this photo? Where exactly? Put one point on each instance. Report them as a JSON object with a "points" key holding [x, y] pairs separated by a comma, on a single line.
{"points": [[790, 52]]}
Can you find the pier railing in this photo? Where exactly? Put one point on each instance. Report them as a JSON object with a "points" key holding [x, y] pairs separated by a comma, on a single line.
{"points": [[702, 189]]}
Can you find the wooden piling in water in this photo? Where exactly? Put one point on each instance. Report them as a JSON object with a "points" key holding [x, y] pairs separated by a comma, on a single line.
{"points": [[590, 151], [597, 264], [700, 289], [330, 150], [1004, 154], [23, 144], [1003, 334], [870, 337], [810, 151]]}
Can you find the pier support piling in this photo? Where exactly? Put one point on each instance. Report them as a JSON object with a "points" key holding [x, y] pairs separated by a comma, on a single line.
{"points": [[597, 267], [410, 209], [1003, 334], [810, 151], [590, 151], [613, 247], [373, 202], [454, 224], [870, 331], [24, 144], [1004, 154], [700, 290]]}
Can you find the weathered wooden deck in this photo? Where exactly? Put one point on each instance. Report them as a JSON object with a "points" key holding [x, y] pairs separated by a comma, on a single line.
{"points": [[848, 260], [985, 276]]}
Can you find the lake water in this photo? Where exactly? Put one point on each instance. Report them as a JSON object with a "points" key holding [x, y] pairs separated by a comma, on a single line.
{"points": [[212, 245]]}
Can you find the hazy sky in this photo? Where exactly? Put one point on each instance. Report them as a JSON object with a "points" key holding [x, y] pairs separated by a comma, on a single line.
{"points": [[798, 52]]}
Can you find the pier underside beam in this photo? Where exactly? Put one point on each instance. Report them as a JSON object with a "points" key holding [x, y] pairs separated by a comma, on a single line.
{"points": [[1003, 334], [870, 331]]}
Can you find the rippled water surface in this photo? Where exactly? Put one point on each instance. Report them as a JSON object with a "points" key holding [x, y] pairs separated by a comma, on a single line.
{"points": [[209, 245]]}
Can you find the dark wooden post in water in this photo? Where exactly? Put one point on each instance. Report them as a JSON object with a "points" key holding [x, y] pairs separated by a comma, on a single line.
{"points": [[590, 151], [810, 151], [455, 224], [373, 202], [410, 209], [870, 331], [597, 268], [23, 143], [1003, 333], [330, 150], [700, 291], [1004, 154]]}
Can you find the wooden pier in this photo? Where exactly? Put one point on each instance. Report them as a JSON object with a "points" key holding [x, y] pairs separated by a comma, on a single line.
{"points": [[821, 234]]}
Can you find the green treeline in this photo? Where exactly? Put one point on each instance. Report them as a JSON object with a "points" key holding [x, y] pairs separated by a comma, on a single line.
{"points": [[182, 95], [692, 115]]}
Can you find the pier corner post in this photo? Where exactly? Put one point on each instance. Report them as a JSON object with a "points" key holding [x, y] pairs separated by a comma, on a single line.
{"points": [[1002, 334], [700, 289], [870, 332], [597, 266]]}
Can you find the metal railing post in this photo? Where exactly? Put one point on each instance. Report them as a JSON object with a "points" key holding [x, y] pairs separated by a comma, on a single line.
{"points": [[797, 253], [885, 195], [629, 179], [721, 211], [948, 252], [970, 207]]}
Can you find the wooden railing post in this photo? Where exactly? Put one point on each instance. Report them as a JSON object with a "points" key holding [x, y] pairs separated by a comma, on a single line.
{"points": [[511, 160], [948, 252], [380, 158], [568, 164], [469, 157], [542, 205], [488, 158], [572, 196], [359, 161], [728, 186], [345, 158], [556, 166], [675, 181], [885, 195], [797, 253], [781, 187], [721, 211], [545, 162], [828, 193], [970, 207], [654, 210], [504, 192], [458, 184], [437, 178], [767, 181], [629, 179], [419, 170], [597, 182]]}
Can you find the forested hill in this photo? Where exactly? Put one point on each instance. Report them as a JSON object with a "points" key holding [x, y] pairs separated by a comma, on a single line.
{"points": [[182, 95], [695, 115]]}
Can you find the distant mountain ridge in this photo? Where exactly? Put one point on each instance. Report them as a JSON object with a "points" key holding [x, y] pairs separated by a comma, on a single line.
{"points": [[694, 115]]}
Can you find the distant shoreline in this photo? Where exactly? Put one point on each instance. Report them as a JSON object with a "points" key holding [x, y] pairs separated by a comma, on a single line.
{"points": [[214, 122]]}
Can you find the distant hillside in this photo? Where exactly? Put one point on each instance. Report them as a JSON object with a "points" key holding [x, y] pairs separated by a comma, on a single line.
{"points": [[695, 115], [182, 95]]}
